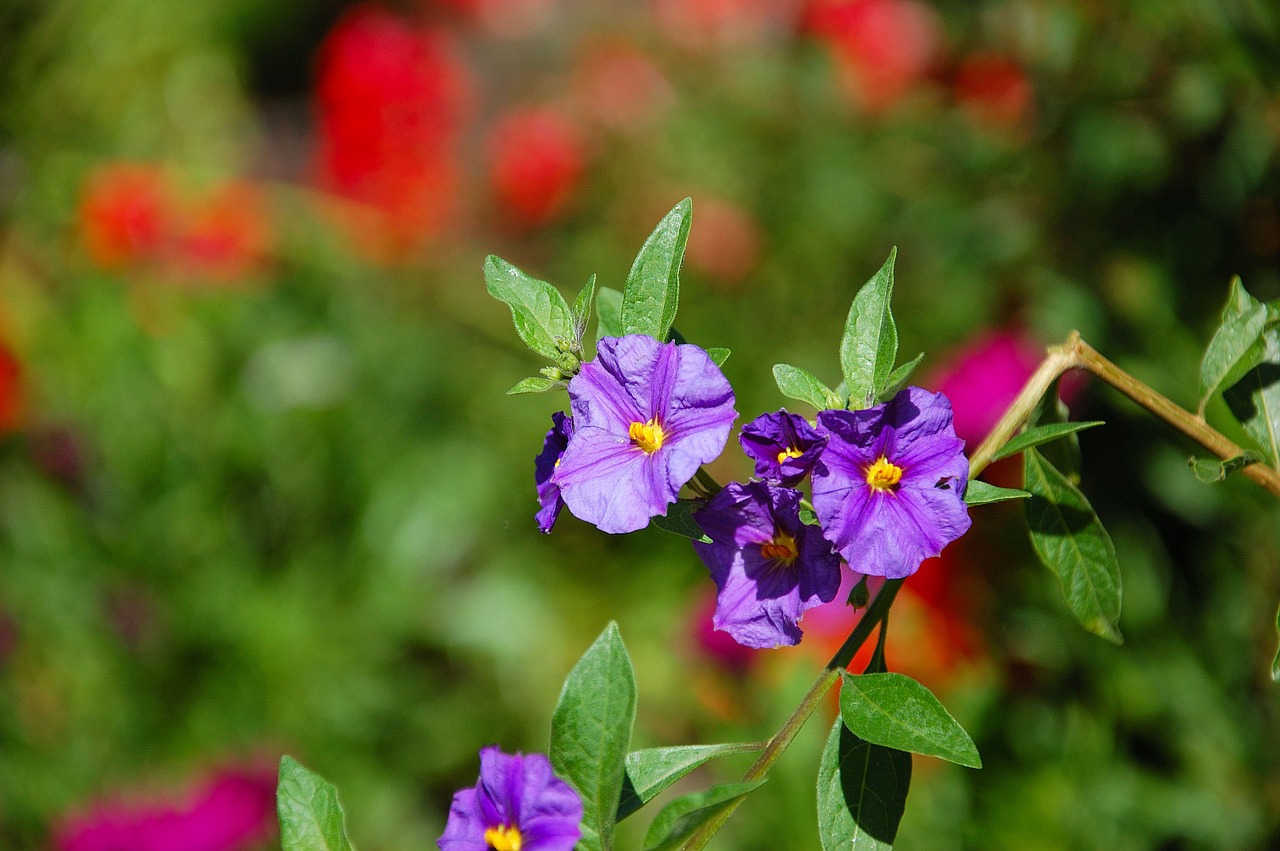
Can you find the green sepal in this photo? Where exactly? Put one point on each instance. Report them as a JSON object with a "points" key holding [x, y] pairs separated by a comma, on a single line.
{"points": [[718, 355], [898, 379], [1040, 435], [679, 520], [1211, 471], [311, 818], [862, 792], [796, 383], [651, 771], [608, 313], [538, 310], [581, 310], [1071, 541], [980, 493], [897, 712], [535, 384], [1236, 346], [869, 344], [679, 819], [652, 291]]}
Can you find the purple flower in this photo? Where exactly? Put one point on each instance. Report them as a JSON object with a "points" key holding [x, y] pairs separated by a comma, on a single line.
{"points": [[517, 805], [646, 416], [768, 566], [544, 465], [889, 487], [784, 446]]}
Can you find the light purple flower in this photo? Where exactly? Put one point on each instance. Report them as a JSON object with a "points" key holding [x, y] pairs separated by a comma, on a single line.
{"points": [[889, 488], [768, 566], [518, 804], [784, 446], [544, 465], [646, 416]]}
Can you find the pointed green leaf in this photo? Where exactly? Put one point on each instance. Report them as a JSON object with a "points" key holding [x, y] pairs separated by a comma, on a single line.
{"points": [[1255, 398], [870, 342], [652, 292], [1041, 435], [680, 818], [981, 493], [862, 792], [311, 819], [1211, 470], [609, 312], [1063, 453], [899, 378], [718, 355], [796, 383], [896, 711], [581, 310], [538, 310], [1070, 540], [591, 732], [679, 520], [534, 384], [653, 770], [1236, 347]]}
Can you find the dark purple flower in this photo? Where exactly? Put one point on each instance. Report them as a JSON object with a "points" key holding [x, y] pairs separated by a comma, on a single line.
{"points": [[889, 487], [768, 566], [646, 416], [517, 805], [544, 465], [784, 446]]}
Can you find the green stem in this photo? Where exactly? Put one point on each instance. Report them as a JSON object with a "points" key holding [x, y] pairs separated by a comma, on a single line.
{"points": [[704, 478]]}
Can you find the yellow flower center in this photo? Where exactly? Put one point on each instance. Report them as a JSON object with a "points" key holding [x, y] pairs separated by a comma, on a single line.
{"points": [[648, 436], [781, 548], [884, 476], [789, 452], [504, 838]]}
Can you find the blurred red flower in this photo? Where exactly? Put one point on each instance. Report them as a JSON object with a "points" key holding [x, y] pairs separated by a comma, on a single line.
{"points": [[993, 89], [226, 236], [537, 156], [10, 390], [127, 213]]}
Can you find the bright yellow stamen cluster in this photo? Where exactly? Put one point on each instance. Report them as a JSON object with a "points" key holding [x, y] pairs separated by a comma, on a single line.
{"points": [[504, 838], [789, 452], [782, 548], [884, 476], [648, 436]]}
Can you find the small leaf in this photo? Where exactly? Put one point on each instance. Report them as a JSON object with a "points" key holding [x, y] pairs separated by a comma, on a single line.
{"points": [[591, 732], [807, 515], [796, 383], [581, 310], [869, 345], [311, 819], [1040, 435], [534, 384], [862, 792], [652, 292], [981, 493], [679, 520], [609, 313], [899, 378], [680, 818], [651, 771], [1255, 398], [1236, 347], [718, 355], [897, 712], [1210, 471], [538, 310], [1070, 540], [1063, 453]]}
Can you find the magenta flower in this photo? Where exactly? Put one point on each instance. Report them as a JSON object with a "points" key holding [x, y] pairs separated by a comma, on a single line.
{"points": [[784, 446], [889, 488], [544, 465], [646, 416], [518, 804], [767, 565]]}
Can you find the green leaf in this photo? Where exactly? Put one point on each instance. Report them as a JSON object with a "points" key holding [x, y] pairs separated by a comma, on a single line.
{"points": [[1063, 453], [652, 292], [981, 493], [1070, 540], [311, 819], [1237, 345], [796, 383], [898, 379], [870, 342], [862, 792], [1255, 398], [581, 310], [651, 771], [680, 818], [609, 313], [1210, 471], [896, 711], [718, 355], [1041, 435], [541, 317], [534, 384], [1275, 663], [591, 732], [679, 520]]}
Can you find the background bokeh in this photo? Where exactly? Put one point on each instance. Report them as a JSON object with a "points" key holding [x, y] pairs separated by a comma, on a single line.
{"points": [[261, 491]]}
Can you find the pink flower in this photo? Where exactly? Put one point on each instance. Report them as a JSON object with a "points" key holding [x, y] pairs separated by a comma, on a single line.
{"points": [[536, 160], [983, 377], [234, 810]]}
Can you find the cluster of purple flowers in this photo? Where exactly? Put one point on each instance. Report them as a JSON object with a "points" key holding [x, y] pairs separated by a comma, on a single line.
{"points": [[888, 481]]}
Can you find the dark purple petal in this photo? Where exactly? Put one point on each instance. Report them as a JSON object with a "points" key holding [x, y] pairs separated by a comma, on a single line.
{"points": [[768, 436], [544, 465]]}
